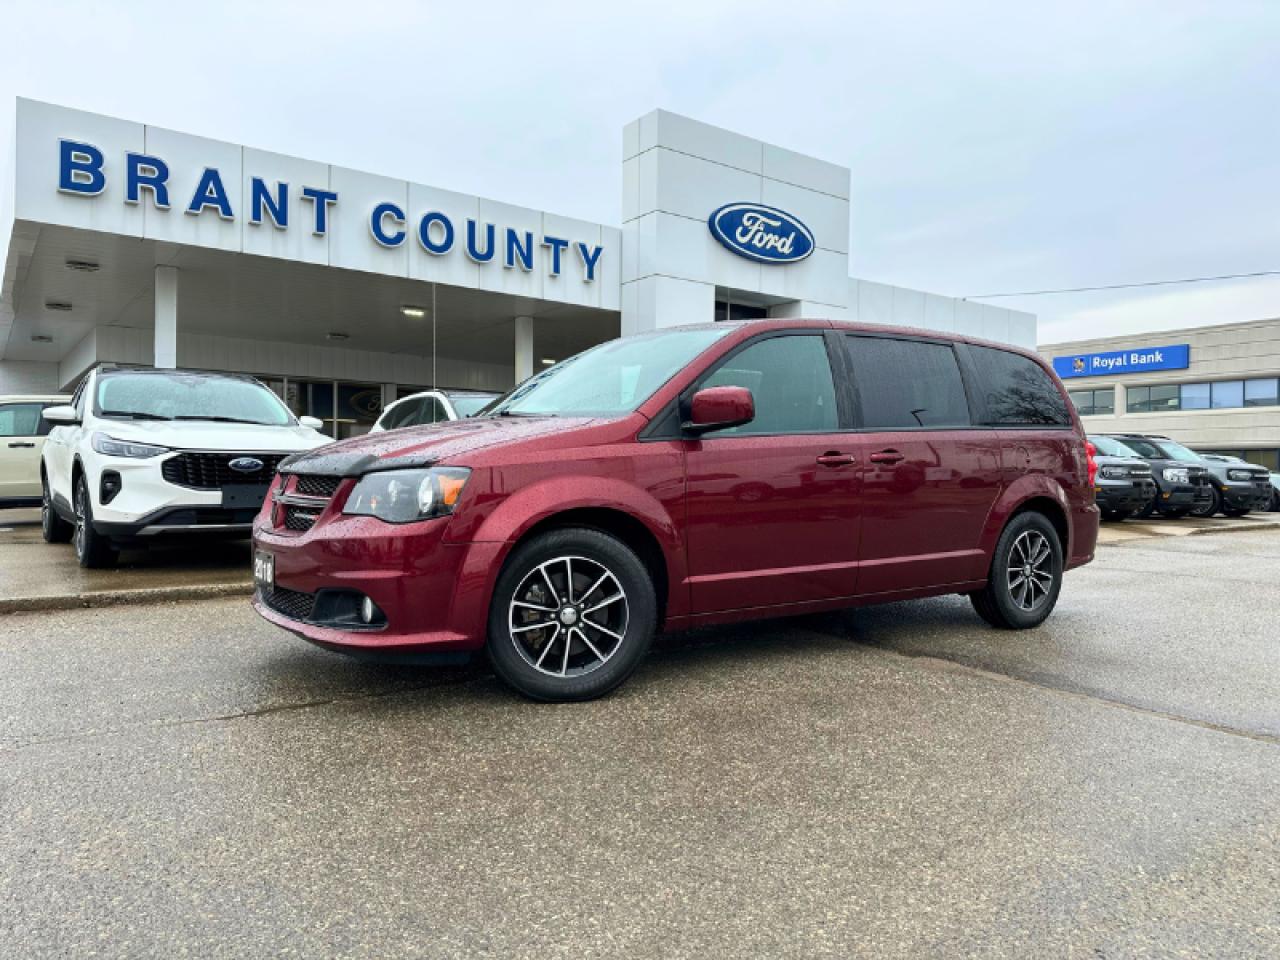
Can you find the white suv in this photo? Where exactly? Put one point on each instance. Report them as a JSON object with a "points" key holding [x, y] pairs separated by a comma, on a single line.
{"points": [[432, 406], [142, 452]]}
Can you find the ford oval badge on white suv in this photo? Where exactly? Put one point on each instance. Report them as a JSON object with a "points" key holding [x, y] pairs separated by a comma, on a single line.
{"points": [[142, 452]]}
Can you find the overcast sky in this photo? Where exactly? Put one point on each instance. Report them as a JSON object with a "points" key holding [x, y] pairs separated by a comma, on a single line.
{"points": [[994, 146]]}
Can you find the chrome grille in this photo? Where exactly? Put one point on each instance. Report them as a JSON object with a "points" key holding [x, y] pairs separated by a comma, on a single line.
{"points": [[309, 485], [212, 471]]}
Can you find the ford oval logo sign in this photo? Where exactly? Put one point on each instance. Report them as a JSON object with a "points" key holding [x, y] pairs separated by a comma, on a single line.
{"points": [[760, 233], [246, 464]]}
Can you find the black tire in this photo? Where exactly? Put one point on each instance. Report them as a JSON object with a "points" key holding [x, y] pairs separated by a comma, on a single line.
{"points": [[93, 550], [1175, 513], [52, 527], [1235, 511], [533, 584], [1275, 502], [1147, 510], [1116, 516], [1208, 509], [1000, 602]]}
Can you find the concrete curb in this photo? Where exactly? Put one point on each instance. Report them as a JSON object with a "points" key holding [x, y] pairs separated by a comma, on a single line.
{"points": [[115, 598], [1133, 534]]}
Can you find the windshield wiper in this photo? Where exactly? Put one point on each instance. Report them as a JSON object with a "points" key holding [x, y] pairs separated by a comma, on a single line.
{"points": [[134, 415], [221, 419], [518, 413]]}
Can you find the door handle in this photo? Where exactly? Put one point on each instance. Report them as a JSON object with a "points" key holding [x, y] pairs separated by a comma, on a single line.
{"points": [[887, 456], [20, 444], [834, 459]]}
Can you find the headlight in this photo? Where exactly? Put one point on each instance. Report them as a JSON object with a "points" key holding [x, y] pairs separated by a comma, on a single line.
{"points": [[1114, 473], [406, 496], [1240, 475], [111, 447], [1176, 474]]}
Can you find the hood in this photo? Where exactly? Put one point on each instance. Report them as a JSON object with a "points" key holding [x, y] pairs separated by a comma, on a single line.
{"points": [[1104, 459], [421, 446], [206, 435]]}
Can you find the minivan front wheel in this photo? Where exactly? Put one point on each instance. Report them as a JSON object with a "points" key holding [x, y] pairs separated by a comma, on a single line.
{"points": [[1025, 577], [573, 613]]}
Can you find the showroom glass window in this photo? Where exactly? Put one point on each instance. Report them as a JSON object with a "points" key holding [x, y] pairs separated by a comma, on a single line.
{"points": [[1017, 390], [931, 396], [790, 381]]}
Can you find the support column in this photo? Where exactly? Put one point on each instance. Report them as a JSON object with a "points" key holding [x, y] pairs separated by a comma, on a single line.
{"points": [[166, 339], [524, 348]]}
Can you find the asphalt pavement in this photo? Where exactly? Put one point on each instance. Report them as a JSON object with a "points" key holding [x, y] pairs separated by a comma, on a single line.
{"points": [[184, 780]]}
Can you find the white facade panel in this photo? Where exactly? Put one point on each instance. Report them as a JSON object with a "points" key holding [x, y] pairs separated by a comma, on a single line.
{"points": [[811, 173], [453, 267], [507, 274], [296, 241], [825, 215], [685, 185], [351, 241], [194, 162]]}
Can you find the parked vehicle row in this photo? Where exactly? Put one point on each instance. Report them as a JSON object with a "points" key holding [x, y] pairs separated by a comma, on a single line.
{"points": [[1142, 474]]}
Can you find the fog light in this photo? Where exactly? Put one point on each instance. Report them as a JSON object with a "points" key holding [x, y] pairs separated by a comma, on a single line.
{"points": [[111, 485], [367, 610]]}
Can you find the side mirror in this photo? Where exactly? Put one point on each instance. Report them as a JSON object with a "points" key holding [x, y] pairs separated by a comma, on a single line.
{"points": [[718, 408], [315, 423], [63, 415]]}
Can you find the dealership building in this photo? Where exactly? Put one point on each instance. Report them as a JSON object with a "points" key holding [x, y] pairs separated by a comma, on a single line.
{"points": [[1214, 389], [343, 290]]}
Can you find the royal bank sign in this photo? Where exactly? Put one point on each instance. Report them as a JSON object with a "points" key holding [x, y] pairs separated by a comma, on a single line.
{"points": [[82, 172]]}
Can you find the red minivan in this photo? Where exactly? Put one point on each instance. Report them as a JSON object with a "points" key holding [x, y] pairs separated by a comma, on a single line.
{"points": [[698, 475]]}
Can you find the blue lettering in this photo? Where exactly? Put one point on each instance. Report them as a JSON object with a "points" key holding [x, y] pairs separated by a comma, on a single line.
{"points": [[472, 252], [276, 207], [424, 233], [590, 257], [80, 168], [380, 212], [557, 247], [514, 249], [152, 173], [210, 193], [323, 200]]}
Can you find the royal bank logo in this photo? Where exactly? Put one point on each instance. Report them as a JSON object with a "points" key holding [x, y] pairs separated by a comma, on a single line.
{"points": [[1078, 364], [760, 233]]}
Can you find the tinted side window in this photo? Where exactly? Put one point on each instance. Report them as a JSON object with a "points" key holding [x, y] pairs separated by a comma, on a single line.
{"points": [[1017, 390], [790, 380], [907, 383], [402, 415], [19, 419], [432, 411]]}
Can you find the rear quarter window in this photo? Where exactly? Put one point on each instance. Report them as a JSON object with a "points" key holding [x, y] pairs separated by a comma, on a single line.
{"points": [[907, 384], [1017, 391]]}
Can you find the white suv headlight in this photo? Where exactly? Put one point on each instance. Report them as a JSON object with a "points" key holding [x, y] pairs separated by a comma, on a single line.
{"points": [[1176, 474], [1239, 475], [111, 447], [1114, 473], [406, 496]]}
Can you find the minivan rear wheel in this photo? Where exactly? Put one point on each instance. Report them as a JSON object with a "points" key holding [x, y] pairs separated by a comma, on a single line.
{"points": [[1025, 576], [573, 613]]}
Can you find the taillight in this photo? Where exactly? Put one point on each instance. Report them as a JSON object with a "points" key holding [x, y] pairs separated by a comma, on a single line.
{"points": [[1090, 452]]}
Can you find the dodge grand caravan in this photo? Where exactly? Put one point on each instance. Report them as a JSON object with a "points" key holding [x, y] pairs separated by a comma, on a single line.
{"points": [[700, 475]]}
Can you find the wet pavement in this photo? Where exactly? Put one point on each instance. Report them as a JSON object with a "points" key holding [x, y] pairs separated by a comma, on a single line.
{"points": [[184, 780], [33, 571]]}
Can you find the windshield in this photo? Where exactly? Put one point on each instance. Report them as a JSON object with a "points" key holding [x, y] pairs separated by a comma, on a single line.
{"points": [[1110, 447], [1177, 451], [189, 396], [609, 380], [469, 404]]}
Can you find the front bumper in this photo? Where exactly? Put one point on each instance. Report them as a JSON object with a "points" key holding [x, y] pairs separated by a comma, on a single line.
{"points": [[1124, 495], [1245, 496], [432, 593]]}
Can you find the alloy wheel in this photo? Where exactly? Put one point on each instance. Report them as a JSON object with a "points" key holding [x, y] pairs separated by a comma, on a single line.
{"points": [[1030, 569], [568, 616], [77, 538]]}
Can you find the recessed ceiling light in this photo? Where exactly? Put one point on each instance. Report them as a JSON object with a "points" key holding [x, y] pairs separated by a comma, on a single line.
{"points": [[414, 313], [337, 335], [41, 338], [61, 305], [548, 362], [83, 266]]}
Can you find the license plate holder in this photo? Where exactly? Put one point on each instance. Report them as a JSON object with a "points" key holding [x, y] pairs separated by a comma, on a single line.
{"points": [[241, 496], [264, 570]]}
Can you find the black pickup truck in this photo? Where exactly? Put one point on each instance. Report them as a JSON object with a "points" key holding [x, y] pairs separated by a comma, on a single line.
{"points": [[1182, 479]]}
